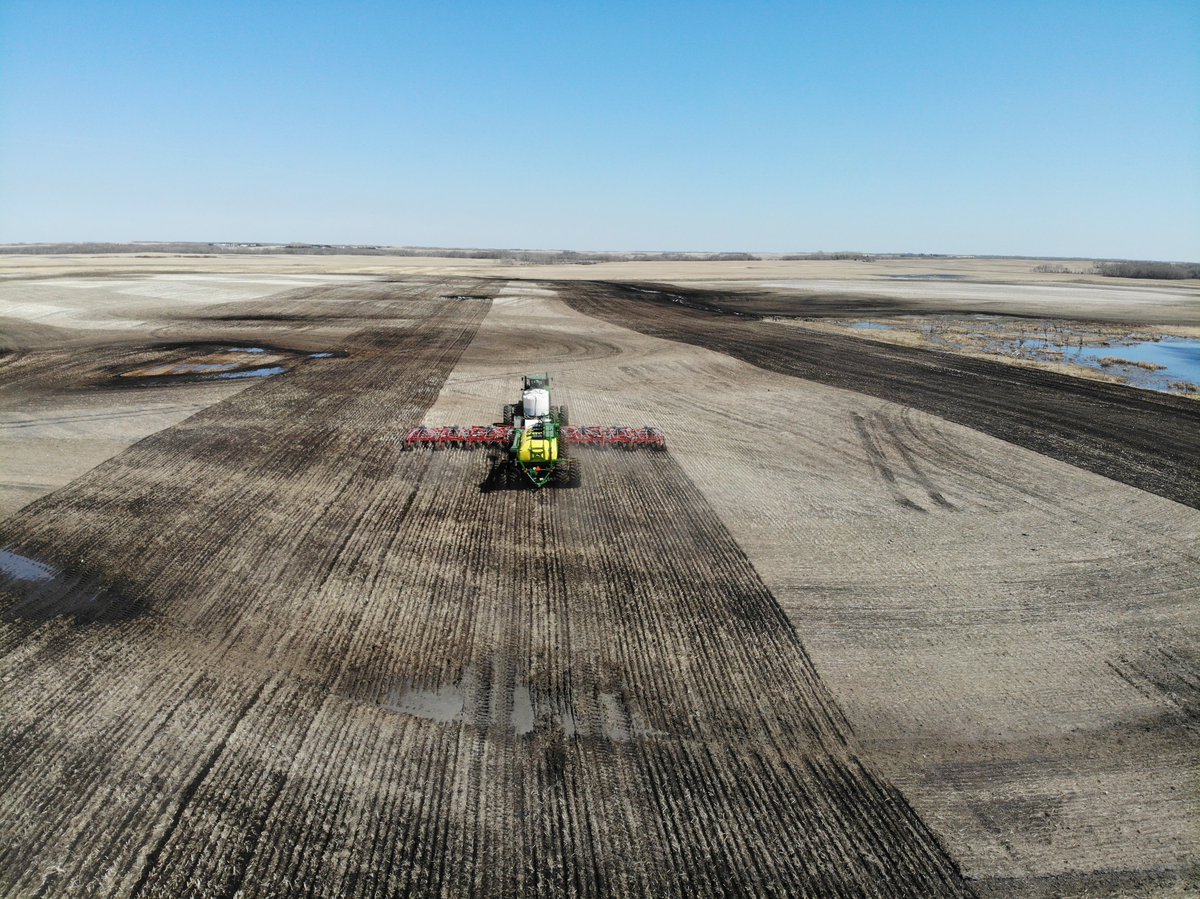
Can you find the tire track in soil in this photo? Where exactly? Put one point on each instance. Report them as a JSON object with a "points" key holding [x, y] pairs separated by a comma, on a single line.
{"points": [[910, 460], [880, 464], [1144, 439], [679, 740], [879, 430]]}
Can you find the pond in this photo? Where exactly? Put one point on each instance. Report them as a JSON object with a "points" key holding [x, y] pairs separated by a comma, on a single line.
{"points": [[1156, 364], [871, 326], [253, 373]]}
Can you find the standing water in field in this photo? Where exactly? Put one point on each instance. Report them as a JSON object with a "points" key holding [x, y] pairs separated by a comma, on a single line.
{"points": [[252, 373], [1154, 364], [21, 568]]}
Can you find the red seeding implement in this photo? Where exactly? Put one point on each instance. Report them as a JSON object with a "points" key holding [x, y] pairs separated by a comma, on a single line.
{"points": [[502, 435], [534, 441], [497, 435], [631, 437]]}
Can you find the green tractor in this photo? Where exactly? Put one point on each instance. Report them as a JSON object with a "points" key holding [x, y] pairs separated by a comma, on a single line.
{"points": [[538, 452], [529, 450]]}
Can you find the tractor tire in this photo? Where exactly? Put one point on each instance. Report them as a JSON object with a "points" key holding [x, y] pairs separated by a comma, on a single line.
{"points": [[510, 411], [514, 477], [567, 474], [560, 477], [563, 418]]}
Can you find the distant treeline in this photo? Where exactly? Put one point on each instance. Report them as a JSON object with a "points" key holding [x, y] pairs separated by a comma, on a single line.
{"points": [[853, 257], [527, 257], [1171, 271], [254, 249], [1115, 269], [531, 257]]}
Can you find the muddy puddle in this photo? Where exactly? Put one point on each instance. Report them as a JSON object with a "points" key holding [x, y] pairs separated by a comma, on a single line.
{"points": [[20, 568], [442, 704], [522, 715], [251, 373], [529, 710], [36, 591], [181, 364]]}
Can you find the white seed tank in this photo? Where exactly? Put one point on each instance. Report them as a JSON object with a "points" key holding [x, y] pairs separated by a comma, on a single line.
{"points": [[536, 403]]}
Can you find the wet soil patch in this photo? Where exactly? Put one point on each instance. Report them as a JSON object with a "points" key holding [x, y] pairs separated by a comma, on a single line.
{"points": [[187, 362], [802, 302], [1144, 439], [757, 304], [34, 591]]}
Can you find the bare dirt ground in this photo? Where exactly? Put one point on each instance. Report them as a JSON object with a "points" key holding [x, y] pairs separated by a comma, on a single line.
{"points": [[974, 606], [999, 284], [72, 350], [831, 643], [1109, 299], [1144, 439]]}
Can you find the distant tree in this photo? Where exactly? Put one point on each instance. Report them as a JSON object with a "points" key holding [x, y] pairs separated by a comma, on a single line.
{"points": [[1172, 271]]}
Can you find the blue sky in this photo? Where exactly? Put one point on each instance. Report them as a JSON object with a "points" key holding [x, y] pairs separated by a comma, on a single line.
{"points": [[1046, 128]]}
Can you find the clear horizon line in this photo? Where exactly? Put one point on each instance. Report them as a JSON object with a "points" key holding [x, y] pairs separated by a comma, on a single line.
{"points": [[266, 244]]}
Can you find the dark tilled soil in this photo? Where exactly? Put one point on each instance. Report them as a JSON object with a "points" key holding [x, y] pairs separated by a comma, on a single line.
{"points": [[1144, 439], [282, 654]]}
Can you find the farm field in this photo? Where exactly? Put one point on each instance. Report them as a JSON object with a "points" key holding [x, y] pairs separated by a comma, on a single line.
{"points": [[879, 622]]}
